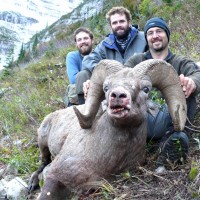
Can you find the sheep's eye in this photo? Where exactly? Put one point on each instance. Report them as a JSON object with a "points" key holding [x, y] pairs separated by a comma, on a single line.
{"points": [[146, 89], [105, 89]]}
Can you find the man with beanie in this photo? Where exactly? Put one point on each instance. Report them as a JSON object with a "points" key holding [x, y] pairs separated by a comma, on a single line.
{"points": [[173, 145], [124, 41]]}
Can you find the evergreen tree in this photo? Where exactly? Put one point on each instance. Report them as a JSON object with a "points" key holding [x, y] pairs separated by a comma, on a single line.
{"points": [[10, 59], [21, 54], [35, 43]]}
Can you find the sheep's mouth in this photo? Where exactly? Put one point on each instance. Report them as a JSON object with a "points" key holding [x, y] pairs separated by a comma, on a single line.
{"points": [[116, 109], [119, 111]]}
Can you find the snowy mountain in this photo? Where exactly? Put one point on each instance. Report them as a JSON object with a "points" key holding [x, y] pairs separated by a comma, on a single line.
{"points": [[87, 9], [19, 20]]}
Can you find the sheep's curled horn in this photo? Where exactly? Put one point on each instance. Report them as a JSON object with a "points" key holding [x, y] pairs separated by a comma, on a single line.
{"points": [[162, 75]]}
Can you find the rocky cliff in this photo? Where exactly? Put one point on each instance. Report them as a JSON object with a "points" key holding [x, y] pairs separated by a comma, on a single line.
{"points": [[19, 20]]}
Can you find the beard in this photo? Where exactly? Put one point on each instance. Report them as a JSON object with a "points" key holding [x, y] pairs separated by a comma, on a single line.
{"points": [[123, 34], [161, 47], [85, 49]]}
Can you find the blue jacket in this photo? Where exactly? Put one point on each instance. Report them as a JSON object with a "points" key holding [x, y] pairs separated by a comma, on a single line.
{"points": [[107, 49], [73, 65]]}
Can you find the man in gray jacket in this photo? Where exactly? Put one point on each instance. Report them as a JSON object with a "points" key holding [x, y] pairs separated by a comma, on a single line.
{"points": [[124, 41]]}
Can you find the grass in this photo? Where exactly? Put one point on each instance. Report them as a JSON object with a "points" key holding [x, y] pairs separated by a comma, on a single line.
{"points": [[29, 93]]}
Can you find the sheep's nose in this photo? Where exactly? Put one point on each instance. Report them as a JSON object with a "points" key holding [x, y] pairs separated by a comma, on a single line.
{"points": [[118, 95]]}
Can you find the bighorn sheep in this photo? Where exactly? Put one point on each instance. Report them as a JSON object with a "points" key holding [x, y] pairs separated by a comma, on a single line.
{"points": [[114, 140]]}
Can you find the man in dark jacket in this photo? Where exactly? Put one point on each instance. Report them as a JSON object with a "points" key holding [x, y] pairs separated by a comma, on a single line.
{"points": [[124, 41], [174, 145]]}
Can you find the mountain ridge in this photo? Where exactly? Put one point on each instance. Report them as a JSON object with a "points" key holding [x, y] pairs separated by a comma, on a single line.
{"points": [[16, 18], [26, 20]]}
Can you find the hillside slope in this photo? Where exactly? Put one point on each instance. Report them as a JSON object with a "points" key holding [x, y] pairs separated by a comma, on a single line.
{"points": [[182, 17], [35, 85]]}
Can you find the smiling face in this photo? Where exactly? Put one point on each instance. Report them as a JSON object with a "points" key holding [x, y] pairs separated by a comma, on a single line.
{"points": [[119, 25], [84, 43], [157, 39]]}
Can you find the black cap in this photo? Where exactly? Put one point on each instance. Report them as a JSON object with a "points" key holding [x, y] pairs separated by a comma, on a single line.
{"points": [[157, 22]]}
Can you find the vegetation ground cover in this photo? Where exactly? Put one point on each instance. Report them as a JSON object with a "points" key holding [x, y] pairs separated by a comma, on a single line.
{"points": [[35, 86]]}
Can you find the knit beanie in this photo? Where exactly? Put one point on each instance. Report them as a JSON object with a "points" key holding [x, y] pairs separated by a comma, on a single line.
{"points": [[157, 22]]}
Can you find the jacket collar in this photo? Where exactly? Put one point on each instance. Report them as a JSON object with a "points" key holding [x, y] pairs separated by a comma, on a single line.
{"points": [[109, 41], [148, 55]]}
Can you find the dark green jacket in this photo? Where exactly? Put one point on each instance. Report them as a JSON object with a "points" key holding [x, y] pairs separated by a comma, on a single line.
{"points": [[181, 64]]}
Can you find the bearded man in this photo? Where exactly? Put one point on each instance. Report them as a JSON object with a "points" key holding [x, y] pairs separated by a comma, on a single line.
{"points": [[124, 41], [174, 146], [83, 38]]}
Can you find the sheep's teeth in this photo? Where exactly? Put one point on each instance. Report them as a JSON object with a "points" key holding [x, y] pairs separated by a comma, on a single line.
{"points": [[117, 109]]}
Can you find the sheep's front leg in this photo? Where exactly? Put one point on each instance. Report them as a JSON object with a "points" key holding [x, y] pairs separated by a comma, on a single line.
{"points": [[46, 159], [54, 190]]}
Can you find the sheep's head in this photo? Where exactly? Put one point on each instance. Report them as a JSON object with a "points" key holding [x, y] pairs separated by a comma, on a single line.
{"points": [[161, 74], [126, 99]]}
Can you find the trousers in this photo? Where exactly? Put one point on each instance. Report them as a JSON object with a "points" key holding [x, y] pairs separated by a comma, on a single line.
{"points": [[158, 125], [81, 77]]}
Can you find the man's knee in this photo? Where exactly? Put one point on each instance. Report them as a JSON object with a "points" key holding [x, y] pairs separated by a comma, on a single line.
{"points": [[81, 77], [158, 125]]}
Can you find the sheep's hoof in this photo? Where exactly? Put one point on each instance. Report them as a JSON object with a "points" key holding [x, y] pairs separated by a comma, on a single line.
{"points": [[34, 184]]}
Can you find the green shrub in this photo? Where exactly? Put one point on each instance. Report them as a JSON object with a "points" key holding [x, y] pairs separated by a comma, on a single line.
{"points": [[147, 8]]}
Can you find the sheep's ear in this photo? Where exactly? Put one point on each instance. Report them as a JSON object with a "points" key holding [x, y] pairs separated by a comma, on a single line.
{"points": [[95, 94]]}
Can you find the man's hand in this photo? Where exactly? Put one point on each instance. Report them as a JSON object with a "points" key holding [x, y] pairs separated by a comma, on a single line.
{"points": [[86, 86], [187, 84]]}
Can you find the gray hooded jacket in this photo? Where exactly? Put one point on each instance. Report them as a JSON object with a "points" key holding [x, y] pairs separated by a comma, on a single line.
{"points": [[107, 49]]}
